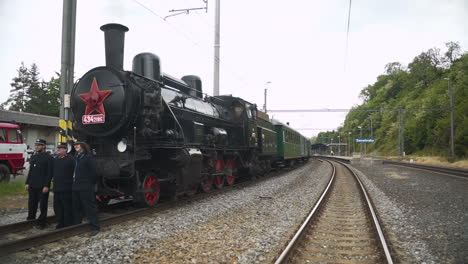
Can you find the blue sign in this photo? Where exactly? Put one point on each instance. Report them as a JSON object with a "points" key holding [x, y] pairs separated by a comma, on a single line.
{"points": [[365, 140]]}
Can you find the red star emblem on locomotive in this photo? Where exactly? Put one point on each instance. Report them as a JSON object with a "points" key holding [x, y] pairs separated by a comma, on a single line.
{"points": [[94, 99]]}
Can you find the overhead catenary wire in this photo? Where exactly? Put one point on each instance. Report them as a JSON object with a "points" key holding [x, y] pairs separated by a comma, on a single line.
{"points": [[321, 110], [191, 40], [347, 34], [226, 65]]}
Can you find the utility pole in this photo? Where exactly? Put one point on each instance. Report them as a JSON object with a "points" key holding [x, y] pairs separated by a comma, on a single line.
{"points": [[360, 145], [68, 59], [371, 130], [349, 143], [401, 141], [265, 95], [216, 48], [452, 144], [339, 145]]}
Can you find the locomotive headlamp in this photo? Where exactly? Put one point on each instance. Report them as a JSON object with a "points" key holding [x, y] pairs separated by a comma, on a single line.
{"points": [[122, 145]]}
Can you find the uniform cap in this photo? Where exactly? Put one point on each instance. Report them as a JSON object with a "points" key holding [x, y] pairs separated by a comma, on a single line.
{"points": [[40, 142]]}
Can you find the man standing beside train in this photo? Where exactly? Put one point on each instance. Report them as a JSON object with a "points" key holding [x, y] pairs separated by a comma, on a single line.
{"points": [[38, 182], [84, 180], [63, 168]]}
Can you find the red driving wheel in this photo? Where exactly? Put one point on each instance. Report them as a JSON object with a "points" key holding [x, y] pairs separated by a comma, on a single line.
{"points": [[230, 176]]}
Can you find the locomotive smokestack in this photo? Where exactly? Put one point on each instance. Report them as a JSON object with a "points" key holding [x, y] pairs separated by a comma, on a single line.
{"points": [[114, 35]]}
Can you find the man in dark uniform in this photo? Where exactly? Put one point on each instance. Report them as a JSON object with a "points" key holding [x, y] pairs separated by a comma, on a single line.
{"points": [[84, 180], [38, 182], [62, 173]]}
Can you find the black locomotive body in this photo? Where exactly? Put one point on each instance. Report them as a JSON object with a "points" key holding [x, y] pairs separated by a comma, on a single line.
{"points": [[156, 135]]}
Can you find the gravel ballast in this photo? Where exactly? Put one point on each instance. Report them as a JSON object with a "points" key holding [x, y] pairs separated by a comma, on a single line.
{"points": [[240, 225], [425, 214]]}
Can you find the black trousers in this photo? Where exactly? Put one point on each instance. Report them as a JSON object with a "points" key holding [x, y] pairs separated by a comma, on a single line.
{"points": [[84, 203], [36, 197], [63, 207]]}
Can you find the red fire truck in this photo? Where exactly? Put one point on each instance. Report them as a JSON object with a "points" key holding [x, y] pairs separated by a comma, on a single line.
{"points": [[12, 150]]}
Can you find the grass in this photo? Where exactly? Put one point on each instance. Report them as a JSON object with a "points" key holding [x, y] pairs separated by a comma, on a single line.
{"points": [[12, 188], [439, 161]]}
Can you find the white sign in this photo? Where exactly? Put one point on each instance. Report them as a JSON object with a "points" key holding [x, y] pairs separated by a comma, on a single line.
{"points": [[365, 140], [93, 119]]}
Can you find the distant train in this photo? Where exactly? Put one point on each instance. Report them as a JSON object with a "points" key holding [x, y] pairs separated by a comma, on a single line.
{"points": [[155, 135]]}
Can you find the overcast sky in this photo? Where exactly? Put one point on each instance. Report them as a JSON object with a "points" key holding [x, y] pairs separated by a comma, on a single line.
{"points": [[299, 45]]}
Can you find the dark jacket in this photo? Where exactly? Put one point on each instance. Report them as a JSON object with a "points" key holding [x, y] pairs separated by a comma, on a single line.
{"points": [[62, 173], [85, 173], [40, 170]]}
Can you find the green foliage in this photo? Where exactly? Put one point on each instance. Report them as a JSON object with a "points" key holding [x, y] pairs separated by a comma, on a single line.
{"points": [[423, 84], [19, 92], [30, 94], [12, 188]]}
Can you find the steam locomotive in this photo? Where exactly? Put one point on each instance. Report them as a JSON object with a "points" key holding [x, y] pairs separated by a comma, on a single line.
{"points": [[155, 135]]}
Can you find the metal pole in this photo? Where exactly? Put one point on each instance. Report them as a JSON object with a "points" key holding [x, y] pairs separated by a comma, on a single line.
{"points": [[360, 148], [339, 146], [264, 106], [452, 144], [68, 55], [216, 48], [349, 144], [371, 127], [401, 140]]}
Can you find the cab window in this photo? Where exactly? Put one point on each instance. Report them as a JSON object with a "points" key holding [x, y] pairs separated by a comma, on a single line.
{"points": [[2, 135], [249, 112], [12, 136]]}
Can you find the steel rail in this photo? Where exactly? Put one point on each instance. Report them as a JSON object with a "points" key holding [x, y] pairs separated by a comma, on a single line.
{"points": [[48, 237], [25, 225], [20, 226], [292, 243], [12, 246], [375, 220], [452, 171]]}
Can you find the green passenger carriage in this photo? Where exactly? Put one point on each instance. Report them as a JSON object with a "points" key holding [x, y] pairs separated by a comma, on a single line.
{"points": [[292, 146]]}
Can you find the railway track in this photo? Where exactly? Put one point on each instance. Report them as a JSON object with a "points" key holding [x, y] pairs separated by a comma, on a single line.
{"points": [[21, 236], [446, 170], [341, 228]]}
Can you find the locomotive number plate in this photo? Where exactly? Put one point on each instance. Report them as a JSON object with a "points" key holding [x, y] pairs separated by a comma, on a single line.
{"points": [[93, 119]]}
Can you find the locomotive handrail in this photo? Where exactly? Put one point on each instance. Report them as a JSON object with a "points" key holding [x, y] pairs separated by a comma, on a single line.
{"points": [[175, 119]]}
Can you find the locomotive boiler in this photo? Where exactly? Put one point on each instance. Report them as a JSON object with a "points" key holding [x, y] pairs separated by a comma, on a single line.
{"points": [[155, 135]]}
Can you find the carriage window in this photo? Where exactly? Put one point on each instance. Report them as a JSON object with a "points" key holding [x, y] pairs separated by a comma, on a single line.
{"points": [[2, 135], [12, 136]]}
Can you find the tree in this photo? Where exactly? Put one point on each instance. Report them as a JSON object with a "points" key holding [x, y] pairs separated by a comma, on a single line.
{"points": [[19, 92], [453, 52], [51, 97], [422, 87], [35, 91], [32, 95], [393, 67]]}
